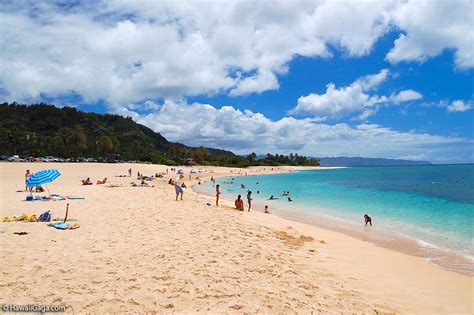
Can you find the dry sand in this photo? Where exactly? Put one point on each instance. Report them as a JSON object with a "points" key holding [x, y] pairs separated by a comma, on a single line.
{"points": [[139, 250]]}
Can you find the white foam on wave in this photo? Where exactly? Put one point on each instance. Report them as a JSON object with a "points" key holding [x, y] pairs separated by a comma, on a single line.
{"points": [[426, 244]]}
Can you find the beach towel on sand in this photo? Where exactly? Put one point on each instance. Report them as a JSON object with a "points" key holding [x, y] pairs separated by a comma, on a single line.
{"points": [[65, 226]]}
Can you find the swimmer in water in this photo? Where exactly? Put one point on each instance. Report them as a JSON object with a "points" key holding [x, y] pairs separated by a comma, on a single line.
{"points": [[368, 220]]}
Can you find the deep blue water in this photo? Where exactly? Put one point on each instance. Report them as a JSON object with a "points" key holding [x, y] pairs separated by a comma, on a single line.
{"points": [[432, 204]]}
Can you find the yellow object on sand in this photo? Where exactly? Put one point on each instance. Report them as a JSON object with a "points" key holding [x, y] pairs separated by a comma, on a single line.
{"points": [[24, 217]]}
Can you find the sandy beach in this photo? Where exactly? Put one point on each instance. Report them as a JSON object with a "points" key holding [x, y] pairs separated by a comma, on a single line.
{"points": [[138, 250]]}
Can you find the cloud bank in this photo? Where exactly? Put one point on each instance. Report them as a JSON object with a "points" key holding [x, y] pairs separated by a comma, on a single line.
{"points": [[127, 51], [120, 52], [245, 131]]}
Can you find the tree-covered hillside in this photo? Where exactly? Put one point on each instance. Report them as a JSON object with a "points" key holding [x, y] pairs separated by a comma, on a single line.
{"points": [[42, 129]]}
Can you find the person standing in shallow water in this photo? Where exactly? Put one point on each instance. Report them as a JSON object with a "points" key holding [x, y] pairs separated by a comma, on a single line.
{"points": [[367, 219], [218, 192], [249, 199]]}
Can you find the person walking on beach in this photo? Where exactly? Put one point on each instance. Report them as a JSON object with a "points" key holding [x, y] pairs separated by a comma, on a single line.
{"points": [[218, 192], [266, 209], [129, 172], [249, 199], [177, 187]]}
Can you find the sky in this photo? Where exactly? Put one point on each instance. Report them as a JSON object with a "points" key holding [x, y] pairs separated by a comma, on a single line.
{"points": [[390, 79]]}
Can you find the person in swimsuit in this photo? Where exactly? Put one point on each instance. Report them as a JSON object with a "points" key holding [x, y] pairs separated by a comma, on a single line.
{"points": [[177, 186], [239, 203], [27, 175], [368, 220], [218, 192], [249, 199]]}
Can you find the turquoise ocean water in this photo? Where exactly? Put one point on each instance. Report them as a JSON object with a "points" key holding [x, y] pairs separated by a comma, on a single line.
{"points": [[432, 206]]}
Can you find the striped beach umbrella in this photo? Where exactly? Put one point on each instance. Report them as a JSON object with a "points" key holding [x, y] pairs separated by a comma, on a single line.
{"points": [[42, 177]]}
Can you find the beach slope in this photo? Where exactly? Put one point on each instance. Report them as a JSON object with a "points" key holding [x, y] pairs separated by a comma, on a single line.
{"points": [[138, 250]]}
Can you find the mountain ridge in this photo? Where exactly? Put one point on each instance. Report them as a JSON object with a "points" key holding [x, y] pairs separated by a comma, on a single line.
{"points": [[360, 161], [66, 132]]}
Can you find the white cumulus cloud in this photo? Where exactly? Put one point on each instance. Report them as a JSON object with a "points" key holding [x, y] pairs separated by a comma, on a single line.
{"points": [[405, 96], [354, 98], [245, 131], [459, 106], [432, 26], [122, 51]]}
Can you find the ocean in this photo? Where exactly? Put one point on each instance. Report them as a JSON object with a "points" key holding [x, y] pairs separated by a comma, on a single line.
{"points": [[424, 210]]}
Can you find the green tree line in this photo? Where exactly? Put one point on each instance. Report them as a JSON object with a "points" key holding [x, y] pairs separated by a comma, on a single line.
{"points": [[42, 130]]}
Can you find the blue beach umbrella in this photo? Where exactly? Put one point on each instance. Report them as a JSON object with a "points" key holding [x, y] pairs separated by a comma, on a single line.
{"points": [[42, 177]]}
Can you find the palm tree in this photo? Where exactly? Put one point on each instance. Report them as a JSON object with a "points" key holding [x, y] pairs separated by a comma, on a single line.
{"points": [[106, 144], [252, 157], [78, 140], [136, 148]]}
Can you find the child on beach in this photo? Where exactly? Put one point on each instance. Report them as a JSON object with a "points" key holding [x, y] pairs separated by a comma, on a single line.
{"points": [[249, 199], [218, 192], [239, 203], [266, 209], [27, 175]]}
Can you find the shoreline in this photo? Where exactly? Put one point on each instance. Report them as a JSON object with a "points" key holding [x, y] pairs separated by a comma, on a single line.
{"points": [[140, 250], [441, 258]]}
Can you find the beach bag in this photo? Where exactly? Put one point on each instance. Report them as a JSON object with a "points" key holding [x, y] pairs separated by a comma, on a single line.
{"points": [[45, 217]]}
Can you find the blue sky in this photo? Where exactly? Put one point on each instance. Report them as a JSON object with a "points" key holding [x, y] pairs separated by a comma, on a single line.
{"points": [[322, 78]]}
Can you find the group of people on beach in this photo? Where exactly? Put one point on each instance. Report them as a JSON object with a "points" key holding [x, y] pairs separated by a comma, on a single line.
{"points": [[179, 186], [88, 181], [239, 203]]}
